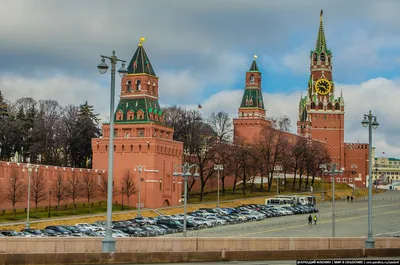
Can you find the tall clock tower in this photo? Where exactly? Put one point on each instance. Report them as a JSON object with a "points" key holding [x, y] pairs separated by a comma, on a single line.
{"points": [[321, 114]]}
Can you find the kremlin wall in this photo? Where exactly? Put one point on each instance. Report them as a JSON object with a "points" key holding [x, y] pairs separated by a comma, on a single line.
{"points": [[142, 140]]}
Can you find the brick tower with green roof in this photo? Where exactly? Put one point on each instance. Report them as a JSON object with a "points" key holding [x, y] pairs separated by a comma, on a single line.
{"points": [[321, 114], [142, 138], [251, 114]]}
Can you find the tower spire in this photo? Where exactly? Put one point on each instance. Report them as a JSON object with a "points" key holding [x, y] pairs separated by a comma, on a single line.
{"points": [[320, 45], [254, 66], [140, 62]]}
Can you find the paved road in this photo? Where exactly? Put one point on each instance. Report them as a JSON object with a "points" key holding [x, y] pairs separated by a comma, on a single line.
{"points": [[351, 220]]}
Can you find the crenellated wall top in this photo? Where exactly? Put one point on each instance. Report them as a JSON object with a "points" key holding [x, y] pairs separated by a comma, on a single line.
{"points": [[51, 168]]}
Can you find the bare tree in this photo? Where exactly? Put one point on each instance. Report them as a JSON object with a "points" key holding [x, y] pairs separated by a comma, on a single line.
{"points": [[89, 188], [222, 126], [281, 123], [103, 188], [16, 189], [73, 189], [222, 155], [58, 189], [38, 188], [297, 158], [271, 145], [128, 185]]}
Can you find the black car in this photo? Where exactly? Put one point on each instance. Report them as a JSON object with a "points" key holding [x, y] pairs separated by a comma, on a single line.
{"points": [[9, 233], [170, 223], [59, 229]]}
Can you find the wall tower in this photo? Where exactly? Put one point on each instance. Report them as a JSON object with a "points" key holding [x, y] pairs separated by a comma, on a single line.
{"points": [[321, 114], [142, 138], [251, 114]]}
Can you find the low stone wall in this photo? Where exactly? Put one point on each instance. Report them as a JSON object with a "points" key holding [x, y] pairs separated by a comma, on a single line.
{"points": [[198, 256], [190, 244]]}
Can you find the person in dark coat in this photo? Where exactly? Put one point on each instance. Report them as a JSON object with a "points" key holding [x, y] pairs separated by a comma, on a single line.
{"points": [[310, 220]]}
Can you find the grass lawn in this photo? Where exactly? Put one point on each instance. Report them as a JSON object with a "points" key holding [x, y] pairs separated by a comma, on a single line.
{"points": [[65, 210]]}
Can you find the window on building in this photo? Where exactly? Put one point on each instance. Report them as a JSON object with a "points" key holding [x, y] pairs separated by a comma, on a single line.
{"points": [[138, 85], [322, 57], [252, 79], [128, 85]]}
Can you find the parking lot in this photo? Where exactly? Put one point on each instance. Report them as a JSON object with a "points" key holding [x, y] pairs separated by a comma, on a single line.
{"points": [[249, 221], [351, 221]]}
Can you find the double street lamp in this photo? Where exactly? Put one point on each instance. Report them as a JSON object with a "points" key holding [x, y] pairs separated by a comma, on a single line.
{"points": [[29, 168], [185, 174], [332, 172], [218, 168], [108, 244], [140, 169], [278, 169], [370, 122]]}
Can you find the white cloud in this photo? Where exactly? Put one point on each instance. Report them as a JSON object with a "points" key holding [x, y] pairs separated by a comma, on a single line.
{"points": [[178, 86], [297, 60], [62, 88], [379, 95]]}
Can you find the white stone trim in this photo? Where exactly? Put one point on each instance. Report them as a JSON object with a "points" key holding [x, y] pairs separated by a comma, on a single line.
{"points": [[152, 170], [151, 181], [138, 95]]}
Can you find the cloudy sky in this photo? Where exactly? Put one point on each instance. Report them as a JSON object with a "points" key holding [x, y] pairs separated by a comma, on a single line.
{"points": [[49, 49]]}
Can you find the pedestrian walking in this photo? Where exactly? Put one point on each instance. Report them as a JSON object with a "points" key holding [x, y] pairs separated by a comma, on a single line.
{"points": [[348, 198], [352, 198], [315, 219], [310, 220]]}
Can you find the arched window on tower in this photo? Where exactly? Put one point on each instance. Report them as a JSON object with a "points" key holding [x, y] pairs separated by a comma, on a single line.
{"points": [[320, 106], [315, 57], [128, 85], [252, 79], [337, 106], [329, 106], [322, 57], [138, 85], [313, 105]]}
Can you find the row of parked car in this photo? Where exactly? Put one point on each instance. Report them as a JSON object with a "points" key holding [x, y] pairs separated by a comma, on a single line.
{"points": [[167, 224]]}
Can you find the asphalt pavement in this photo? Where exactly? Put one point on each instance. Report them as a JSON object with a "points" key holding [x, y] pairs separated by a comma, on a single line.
{"points": [[351, 220]]}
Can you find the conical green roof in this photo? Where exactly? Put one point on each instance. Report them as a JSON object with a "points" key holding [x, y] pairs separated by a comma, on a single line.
{"points": [[253, 66], [252, 98], [320, 45], [140, 63]]}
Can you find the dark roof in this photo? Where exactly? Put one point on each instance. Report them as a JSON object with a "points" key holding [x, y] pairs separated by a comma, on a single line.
{"points": [[252, 98], [254, 67], [320, 45], [140, 63], [146, 105]]}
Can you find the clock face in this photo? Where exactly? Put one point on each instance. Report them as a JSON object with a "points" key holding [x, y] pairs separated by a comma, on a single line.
{"points": [[323, 86]]}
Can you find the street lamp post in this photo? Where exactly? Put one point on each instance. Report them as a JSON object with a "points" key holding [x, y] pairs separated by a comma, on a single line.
{"points": [[322, 167], [370, 122], [140, 169], [29, 167], [108, 244], [332, 173], [185, 174], [49, 203], [278, 169], [122, 195], [218, 168]]}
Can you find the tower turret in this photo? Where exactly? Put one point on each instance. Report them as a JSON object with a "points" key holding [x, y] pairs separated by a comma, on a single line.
{"points": [[321, 115], [251, 114]]}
